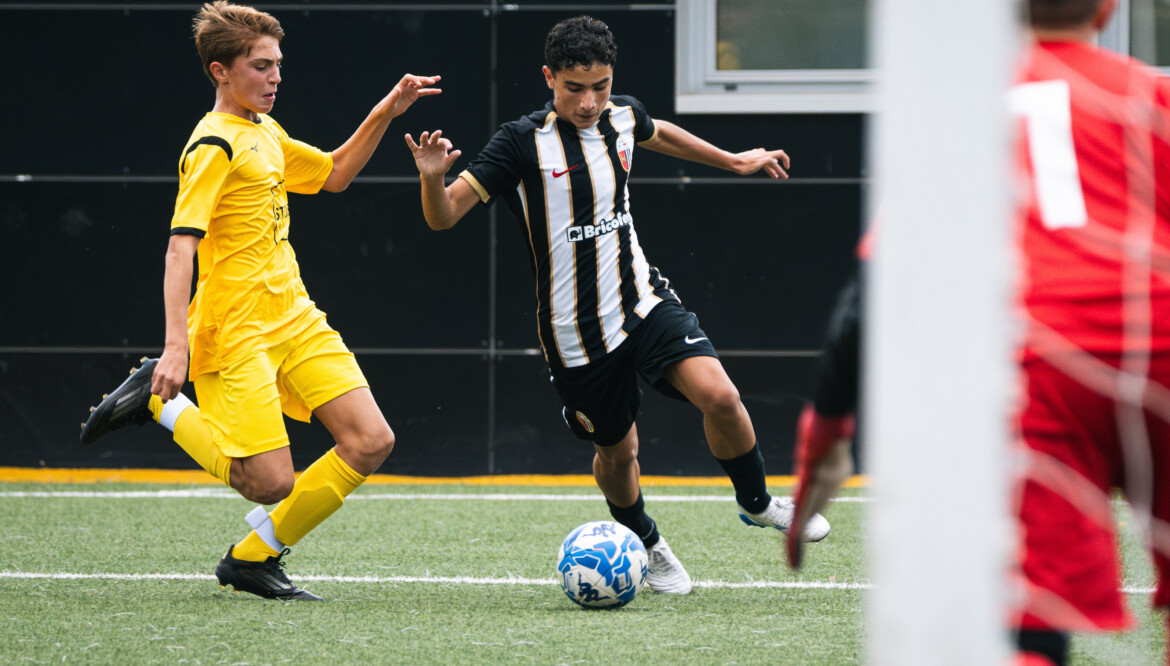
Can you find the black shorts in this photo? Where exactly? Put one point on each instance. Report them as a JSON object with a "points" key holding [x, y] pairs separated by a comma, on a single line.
{"points": [[601, 399]]}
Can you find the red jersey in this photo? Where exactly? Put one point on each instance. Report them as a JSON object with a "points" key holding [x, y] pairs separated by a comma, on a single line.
{"points": [[1095, 199]]}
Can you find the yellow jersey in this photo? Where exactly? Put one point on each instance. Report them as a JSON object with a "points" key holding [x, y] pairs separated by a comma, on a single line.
{"points": [[234, 179]]}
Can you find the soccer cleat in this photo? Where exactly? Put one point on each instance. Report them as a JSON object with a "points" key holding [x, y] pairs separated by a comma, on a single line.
{"points": [[666, 575], [125, 404], [779, 514], [264, 579]]}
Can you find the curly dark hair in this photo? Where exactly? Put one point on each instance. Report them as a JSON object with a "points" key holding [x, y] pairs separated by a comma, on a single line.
{"points": [[579, 41]]}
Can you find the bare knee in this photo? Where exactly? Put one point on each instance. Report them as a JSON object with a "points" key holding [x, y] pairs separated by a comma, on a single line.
{"points": [[615, 458], [376, 443], [621, 454], [265, 478], [723, 402], [366, 449], [266, 491]]}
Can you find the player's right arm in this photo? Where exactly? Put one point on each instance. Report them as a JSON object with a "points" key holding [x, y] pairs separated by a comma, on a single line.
{"points": [[443, 205], [670, 139], [171, 372]]}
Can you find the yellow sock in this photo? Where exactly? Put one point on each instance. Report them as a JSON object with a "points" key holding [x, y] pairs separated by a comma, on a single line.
{"points": [[155, 405], [253, 549], [195, 437], [319, 491]]}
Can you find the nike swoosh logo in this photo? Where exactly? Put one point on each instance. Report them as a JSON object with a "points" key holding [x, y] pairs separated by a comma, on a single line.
{"points": [[558, 174], [690, 341]]}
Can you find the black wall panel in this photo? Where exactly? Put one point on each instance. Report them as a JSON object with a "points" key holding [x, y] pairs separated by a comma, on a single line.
{"points": [[442, 322], [385, 278], [84, 262], [90, 263], [436, 404], [121, 91], [342, 63]]}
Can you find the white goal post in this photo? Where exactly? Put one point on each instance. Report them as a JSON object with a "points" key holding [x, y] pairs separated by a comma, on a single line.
{"points": [[938, 382]]}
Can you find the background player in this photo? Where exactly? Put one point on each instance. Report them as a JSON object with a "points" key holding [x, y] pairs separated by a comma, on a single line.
{"points": [[258, 345], [824, 432], [1095, 240], [605, 314]]}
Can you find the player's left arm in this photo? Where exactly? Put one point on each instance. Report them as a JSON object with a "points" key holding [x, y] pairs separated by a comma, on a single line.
{"points": [[351, 157], [670, 139]]}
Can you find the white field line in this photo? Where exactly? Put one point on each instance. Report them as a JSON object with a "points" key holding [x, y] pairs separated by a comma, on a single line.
{"points": [[454, 580], [217, 493], [463, 580]]}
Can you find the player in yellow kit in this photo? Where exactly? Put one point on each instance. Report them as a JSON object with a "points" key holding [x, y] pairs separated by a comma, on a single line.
{"points": [[257, 345]]}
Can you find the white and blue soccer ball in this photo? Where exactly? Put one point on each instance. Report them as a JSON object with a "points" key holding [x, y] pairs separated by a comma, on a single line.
{"points": [[602, 564]]}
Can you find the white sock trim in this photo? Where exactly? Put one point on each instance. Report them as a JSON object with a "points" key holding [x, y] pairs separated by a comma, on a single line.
{"points": [[260, 521], [172, 409]]}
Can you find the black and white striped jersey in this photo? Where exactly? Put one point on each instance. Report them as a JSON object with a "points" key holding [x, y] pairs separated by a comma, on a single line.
{"points": [[568, 188]]}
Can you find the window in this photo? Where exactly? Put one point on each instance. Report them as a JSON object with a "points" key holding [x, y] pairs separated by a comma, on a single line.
{"points": [[768, 56], [1141, 28]]}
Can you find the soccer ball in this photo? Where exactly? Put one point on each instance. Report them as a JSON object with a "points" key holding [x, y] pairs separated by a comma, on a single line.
{"points": [[602, 564]]}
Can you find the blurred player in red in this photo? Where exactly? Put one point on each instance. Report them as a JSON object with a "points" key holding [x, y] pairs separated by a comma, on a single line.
{"points": [[824, 436], [1094, 236]]}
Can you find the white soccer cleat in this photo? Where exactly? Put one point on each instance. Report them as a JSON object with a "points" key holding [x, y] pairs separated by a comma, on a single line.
{"points": [[666, 575], [779, 515]]}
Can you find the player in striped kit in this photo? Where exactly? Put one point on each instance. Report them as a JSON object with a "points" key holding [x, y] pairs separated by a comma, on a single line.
{"points": [[605, 314]]}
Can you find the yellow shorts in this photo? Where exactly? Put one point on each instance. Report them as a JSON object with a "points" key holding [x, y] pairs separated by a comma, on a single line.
{"points": [[243, 404]]}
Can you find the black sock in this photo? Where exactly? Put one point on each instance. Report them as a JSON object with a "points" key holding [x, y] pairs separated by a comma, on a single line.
{"points": [[635, 518], [747, 475], [1051, 644]]}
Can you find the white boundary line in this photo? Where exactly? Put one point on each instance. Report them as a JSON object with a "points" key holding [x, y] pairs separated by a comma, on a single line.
{"points": [[462, 580], [455, 580], [217, 493]]}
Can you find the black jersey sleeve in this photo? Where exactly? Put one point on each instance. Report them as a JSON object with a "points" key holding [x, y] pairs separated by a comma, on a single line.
{"points": [[643, 123], [497, 167]]}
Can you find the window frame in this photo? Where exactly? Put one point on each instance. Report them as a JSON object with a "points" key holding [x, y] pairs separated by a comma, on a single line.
{"points": [[701, 88], [1115, 36]]}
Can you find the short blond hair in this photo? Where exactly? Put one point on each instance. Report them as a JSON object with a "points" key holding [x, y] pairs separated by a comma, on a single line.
{"points": [[224, 31]]}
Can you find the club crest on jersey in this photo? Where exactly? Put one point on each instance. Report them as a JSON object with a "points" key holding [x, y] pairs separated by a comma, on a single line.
{"points": [[585, 422], [625, 151]]}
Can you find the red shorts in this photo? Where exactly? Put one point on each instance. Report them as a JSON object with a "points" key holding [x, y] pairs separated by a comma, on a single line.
{"points": [[1075, 444]]}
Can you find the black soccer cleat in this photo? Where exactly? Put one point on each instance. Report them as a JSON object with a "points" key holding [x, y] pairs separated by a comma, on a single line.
{"points": [[126, 404], [264, 579]]}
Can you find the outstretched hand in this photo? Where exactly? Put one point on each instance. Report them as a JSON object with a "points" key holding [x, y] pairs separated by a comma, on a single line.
{"points": [[773, 162], [433, 155], [409, 89]]}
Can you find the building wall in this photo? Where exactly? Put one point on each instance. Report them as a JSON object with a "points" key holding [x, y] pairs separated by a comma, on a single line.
{"points": [[102, 98]]}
